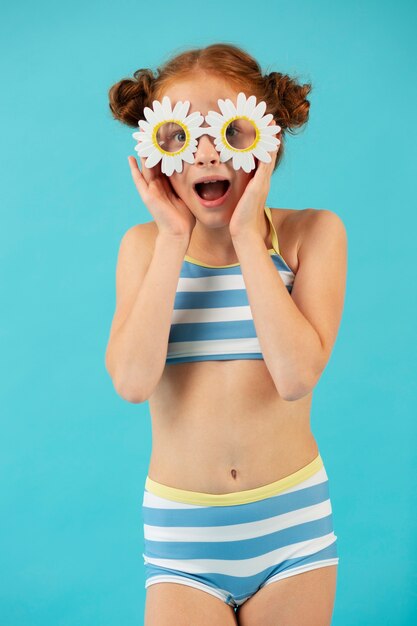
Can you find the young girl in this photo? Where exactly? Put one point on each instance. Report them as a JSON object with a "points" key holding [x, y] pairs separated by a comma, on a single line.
{"points": [[227, 312]]}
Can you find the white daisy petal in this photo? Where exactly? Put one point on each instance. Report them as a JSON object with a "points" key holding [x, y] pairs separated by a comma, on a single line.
{"points": [[214, 118], [262, 154], [167, 166], [248, 162], [188, 156], [226, 154], [240, 105], [150, 115], [272, 129], [213, 132], [227, 113], [176, 110], [159, 111], [230, 107], [153, 158], [249, 106], [195, 119], [166, 107], [259, 110], [145, 144], [265, 120], [237, 161], [268, 142], [182, 112], [144, 152], [177, 160], [145, 126]]}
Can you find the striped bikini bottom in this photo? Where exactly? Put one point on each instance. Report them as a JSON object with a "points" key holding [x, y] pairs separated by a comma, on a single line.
{"points": [[230, 545]]}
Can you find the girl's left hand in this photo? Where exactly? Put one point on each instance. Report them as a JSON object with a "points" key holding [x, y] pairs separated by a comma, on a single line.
{"points": [[245, 217]]}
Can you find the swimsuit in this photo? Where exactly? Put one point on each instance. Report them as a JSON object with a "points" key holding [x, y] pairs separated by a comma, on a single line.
{"points": [[211, 318], [230, 545]]}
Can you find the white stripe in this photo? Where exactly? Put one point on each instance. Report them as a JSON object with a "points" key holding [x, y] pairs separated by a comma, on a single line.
{"points": [[247, 567], [190, 582], [211, 314], [302, 568], [220, 282], [238, 532], [213, 346]]}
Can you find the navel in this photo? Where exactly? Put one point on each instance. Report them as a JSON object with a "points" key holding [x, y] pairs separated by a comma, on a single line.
{"points": [[233, 473]]}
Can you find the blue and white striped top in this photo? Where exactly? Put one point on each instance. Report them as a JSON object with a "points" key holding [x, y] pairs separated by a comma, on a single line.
{"points": [[212, 318]]}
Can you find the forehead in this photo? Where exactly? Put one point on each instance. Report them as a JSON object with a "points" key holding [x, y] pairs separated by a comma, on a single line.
{"points": [[201, 91]]}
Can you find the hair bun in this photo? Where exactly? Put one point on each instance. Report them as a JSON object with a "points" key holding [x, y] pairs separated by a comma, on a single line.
{"points": [[128, 97]]}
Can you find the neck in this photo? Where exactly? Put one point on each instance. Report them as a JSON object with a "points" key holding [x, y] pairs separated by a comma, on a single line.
{"points": [[214, 243]]}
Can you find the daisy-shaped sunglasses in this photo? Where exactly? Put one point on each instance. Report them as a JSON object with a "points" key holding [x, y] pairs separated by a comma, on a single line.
{"points": [[240, 132]]}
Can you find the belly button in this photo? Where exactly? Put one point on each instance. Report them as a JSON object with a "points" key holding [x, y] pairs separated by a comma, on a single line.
{"points": [[233, 473]]}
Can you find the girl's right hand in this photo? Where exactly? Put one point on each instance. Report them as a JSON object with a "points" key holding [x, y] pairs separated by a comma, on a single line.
{"points": [[171, 214]]}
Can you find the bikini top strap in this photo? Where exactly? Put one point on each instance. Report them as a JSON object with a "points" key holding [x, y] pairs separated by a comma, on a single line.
{"points": [[274, 237]]}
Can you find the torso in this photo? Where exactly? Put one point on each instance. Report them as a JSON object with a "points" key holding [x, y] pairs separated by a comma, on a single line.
{"points": [[221, 426]]}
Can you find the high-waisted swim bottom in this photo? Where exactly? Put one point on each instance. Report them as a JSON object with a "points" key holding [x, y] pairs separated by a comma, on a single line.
{"points": [[230, 545]]}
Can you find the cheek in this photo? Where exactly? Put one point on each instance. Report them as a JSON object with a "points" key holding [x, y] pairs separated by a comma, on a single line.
{"points": [[176, 183], [178, 180], [243, 179]]}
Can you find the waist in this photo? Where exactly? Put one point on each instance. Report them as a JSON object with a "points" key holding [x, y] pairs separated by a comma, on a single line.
{"points": [[239, 496], [230, 466]]}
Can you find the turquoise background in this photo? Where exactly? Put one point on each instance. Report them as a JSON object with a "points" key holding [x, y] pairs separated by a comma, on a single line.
{"points": [[73, 454]]}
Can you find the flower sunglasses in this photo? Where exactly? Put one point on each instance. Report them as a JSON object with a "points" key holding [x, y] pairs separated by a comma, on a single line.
{"points": [[241, 133]]}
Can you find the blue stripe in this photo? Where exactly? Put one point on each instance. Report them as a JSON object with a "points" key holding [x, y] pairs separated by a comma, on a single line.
{"points": [[239, 548], [198, 331], [216, 357], [211, 299]]}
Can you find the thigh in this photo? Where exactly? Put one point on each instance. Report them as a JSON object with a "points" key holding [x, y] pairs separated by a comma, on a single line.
{"points": [[306, 598], [173, 603]]}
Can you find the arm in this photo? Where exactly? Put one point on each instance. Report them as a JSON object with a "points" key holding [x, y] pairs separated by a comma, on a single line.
{"points": [[297, 331], [138, 344]]}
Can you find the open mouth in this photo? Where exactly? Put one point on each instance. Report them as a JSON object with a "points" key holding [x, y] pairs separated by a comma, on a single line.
{"points": [[212, 190]]}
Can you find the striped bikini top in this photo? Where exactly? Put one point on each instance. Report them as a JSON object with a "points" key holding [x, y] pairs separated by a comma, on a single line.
{"points": [[212, 318]]}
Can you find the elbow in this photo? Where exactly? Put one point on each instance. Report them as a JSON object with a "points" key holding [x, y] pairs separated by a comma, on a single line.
{"points": [[297, 388], [130, 393]]}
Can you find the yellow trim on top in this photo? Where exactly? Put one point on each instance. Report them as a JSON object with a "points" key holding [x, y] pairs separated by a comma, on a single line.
{"points": [[196, 262], [236, 497], [274, 236]]}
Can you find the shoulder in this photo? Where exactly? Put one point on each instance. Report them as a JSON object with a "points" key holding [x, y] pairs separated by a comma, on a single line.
{"points": [[305, 228], [300, 221], [319, 225], [140, 236]]}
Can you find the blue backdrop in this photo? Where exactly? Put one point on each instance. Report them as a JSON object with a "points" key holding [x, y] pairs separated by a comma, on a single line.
{"points": [[73, 454]]}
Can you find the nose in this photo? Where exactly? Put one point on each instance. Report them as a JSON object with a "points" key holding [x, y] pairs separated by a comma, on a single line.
{"points": [[206, 152]]}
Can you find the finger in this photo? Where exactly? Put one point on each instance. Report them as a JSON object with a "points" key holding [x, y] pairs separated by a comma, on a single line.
{"points": [[146, 171], [137, 176]]}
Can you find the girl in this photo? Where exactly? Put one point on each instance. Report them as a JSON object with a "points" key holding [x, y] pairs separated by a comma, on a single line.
{"points": [[227, 312]]}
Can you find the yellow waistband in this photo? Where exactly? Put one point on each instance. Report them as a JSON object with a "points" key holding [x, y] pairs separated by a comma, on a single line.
{"points": [[236, 497]]}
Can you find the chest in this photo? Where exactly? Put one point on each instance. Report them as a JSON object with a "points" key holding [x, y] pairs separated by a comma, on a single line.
{"points": [[212, 345]]}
